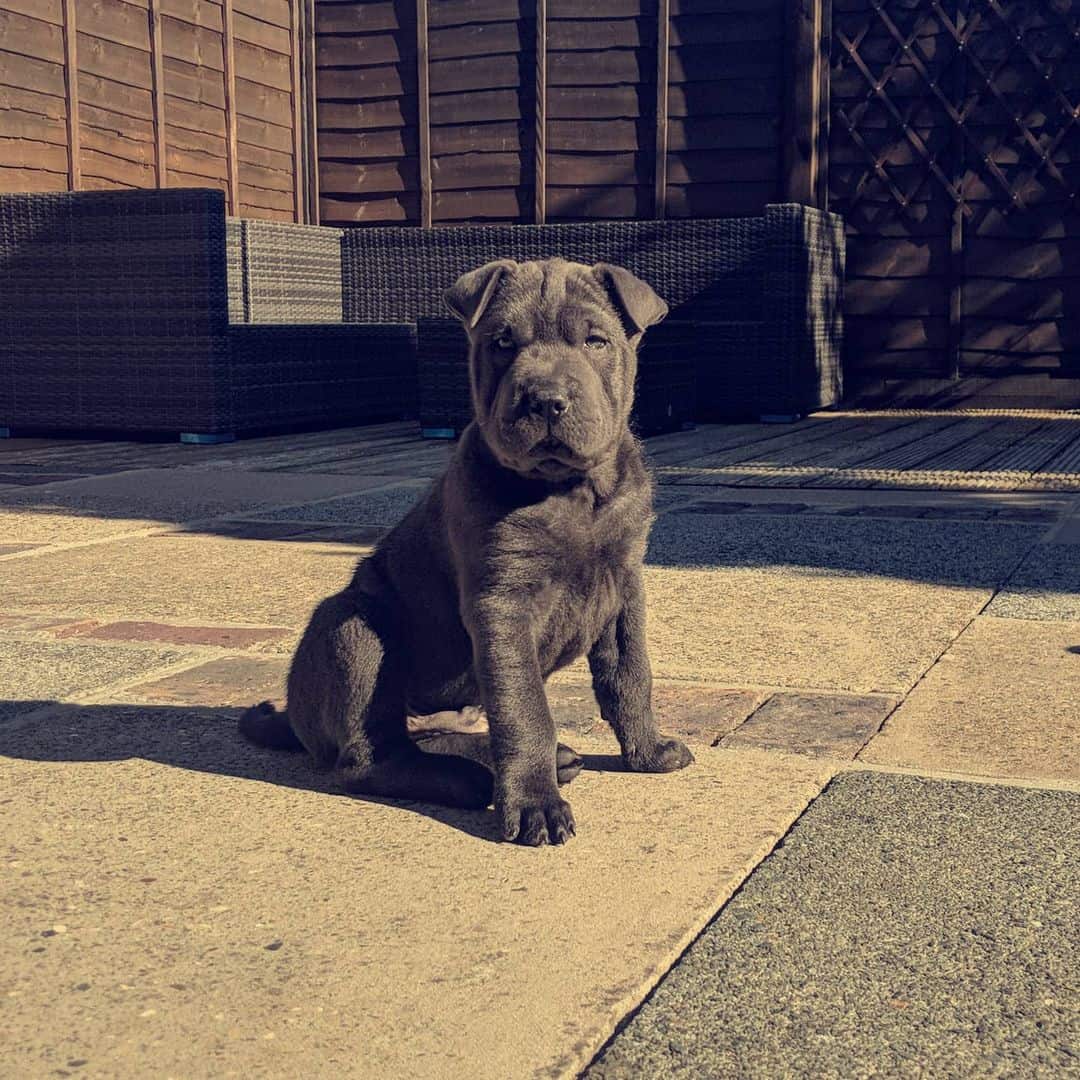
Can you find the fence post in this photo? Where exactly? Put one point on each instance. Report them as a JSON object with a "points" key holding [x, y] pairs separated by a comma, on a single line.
{"points": [[231, 158], [663, 24], [423, 113], [157, 65], [71, 83], [310, 119], [803, 124], [540, 138]]}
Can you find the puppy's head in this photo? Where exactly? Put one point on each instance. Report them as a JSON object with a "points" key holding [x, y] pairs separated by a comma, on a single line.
{"points": [[553, 359]]}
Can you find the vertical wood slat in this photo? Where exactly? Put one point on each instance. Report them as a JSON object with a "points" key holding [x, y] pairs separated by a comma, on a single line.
{"points": [[71, 82], [424, 112], [540, 134], [311, 117], [295, 25], [232, 164], [820, 179], [157, 65], [663, 25], [955, 266], [801, 127]]}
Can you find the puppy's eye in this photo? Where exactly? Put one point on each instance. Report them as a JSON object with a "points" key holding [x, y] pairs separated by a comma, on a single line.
{"points": [[595, 341], [505, 340]]}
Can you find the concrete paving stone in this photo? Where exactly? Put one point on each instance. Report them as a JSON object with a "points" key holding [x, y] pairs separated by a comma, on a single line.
{"points": [[942, 552], [179, 903], [222, 637], [693, 711], [30, 624], [778, 627], [228, 681], [32, 672], [905, 927], [18, 479], [121, 502], [821, 725], [384, 507], [15, 549], [1001, 702], [176, 579], [1045, 586]]}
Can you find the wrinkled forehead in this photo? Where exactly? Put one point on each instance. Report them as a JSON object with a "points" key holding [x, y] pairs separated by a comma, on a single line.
{"points": [[551, 297]]}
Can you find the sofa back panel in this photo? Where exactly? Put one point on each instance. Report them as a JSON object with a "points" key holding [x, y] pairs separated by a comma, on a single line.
{"points": [[116, 303], [284, 273], [705, 269]]}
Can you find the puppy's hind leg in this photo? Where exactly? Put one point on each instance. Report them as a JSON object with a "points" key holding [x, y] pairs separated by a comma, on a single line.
{"points": [[376, 756]]}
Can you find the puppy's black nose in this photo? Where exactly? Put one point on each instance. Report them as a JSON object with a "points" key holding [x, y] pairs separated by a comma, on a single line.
{"points": [[550, 404]]}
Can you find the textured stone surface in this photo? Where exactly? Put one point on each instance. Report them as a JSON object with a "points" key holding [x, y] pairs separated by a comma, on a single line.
{"points": [[1003, 701], [820, 725], [804, 630], [906, 927], [225, 681], [223, 637], [170, 578], [98, 506], [219, 914], [383, 507], [33, 671], [1046, 585]]}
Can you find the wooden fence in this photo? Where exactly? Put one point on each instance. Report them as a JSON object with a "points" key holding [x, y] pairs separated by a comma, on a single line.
{"points": [[954, 157], [148, 93], [547, 110]]}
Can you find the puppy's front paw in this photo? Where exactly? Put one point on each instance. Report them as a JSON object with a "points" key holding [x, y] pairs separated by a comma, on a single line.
{"points": [[665, 755], [535, 820]]}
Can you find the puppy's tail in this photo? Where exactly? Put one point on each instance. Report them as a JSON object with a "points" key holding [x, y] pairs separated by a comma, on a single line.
{"points": [[266, 726]]}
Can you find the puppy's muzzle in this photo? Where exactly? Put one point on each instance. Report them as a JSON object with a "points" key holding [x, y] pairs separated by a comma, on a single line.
{"points": [[549, 403]]}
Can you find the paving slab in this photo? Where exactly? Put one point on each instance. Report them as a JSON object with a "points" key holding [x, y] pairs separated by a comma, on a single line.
{"points": [[173, 578], [821, 725], [387, 506], [33, 672], [1046, 585], [236, 681], [905, 927], [801, 630], [97, 506], [1001, 702], [696, 711], [177, 903], [941, 552]]}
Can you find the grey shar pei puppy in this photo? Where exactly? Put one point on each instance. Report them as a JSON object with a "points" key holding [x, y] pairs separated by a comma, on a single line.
{"points": [[524, 556]]}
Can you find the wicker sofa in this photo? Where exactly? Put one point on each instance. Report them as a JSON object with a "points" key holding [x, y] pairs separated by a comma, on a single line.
{"points": [[150, 312], [755, 325]]}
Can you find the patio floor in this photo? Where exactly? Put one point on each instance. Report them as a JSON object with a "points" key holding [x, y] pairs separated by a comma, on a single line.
{"points": [[867, 625]]}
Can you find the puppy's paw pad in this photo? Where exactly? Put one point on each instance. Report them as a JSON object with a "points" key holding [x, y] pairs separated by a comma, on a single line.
{"points": [[666, 755], [568, 763]]}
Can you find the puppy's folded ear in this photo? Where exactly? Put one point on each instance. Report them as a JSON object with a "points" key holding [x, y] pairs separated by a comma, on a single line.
{"points": [[633, 298], [470, 295]]}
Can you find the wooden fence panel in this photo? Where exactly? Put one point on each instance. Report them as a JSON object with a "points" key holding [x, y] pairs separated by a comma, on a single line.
{"points": [[560, 124], [153, 93]]}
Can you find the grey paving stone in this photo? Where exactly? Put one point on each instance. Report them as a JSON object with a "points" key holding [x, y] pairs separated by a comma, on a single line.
{"points": [[820, 725], [228, 681], [905, 927], [944, 552], [386, 507], [32, 671], [1045, 586]]}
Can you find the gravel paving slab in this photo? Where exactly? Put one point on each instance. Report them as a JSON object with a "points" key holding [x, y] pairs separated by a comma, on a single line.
{"points": [[1045, 586], [905, 927]]}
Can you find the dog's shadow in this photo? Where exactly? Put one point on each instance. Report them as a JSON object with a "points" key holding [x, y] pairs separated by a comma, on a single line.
{"points": [[201, 739]]}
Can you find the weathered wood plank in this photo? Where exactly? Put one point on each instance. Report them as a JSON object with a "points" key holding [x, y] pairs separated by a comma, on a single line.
{"points": [[229, 71], [71, 83]]}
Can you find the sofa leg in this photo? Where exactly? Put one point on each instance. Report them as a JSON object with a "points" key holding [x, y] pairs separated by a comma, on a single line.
{"points": [[207, 440]]}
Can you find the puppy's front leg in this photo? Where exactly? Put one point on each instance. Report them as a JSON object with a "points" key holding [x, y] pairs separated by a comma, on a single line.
{"points": [[523, 746], [622, 682]]}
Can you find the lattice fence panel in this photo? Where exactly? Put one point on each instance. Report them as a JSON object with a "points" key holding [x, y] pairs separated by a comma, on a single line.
{"points": [[955, 159]]}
